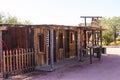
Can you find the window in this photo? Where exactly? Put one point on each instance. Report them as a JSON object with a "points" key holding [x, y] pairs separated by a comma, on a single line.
{"points": [[41, 42], [60, 40], [72, 37]]}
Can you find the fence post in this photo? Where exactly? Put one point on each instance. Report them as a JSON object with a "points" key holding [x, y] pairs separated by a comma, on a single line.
{"points": [[27, 65], [24, 60], [4, 64], [14, 61], [10, 52], [17, 62], [33, 59], [22, 63], [29, 59], [7, 57]]}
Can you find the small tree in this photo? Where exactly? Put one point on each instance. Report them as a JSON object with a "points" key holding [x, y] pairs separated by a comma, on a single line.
{"points": [[1, 18], [112, 25], [8, 19], [107, 38]]}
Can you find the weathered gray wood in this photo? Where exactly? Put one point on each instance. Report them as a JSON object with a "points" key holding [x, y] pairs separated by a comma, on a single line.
{"points": [[78, 45], [52, 48]]}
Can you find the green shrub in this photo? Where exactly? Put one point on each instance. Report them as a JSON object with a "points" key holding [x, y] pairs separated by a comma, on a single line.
{"points": [[118, 39], [115, 43]]}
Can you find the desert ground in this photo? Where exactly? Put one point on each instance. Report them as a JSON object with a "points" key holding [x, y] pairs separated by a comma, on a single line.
{"points": [[106, 69]]}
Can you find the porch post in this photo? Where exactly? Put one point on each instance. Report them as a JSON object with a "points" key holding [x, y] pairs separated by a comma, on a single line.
{"points": [[78, 45], [100, 43], [52, 49]]}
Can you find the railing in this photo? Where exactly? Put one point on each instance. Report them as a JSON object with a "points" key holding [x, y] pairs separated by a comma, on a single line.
{"points": [[18, 61]]}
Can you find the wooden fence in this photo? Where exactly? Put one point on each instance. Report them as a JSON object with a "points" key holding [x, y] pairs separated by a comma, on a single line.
{"points": [[18, 61]]}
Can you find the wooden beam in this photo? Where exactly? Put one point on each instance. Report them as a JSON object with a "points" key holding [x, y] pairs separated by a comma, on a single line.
{"points": [[90, 16]]}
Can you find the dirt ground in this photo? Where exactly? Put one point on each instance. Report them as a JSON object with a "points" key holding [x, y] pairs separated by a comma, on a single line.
{"points": [[107, 69]]}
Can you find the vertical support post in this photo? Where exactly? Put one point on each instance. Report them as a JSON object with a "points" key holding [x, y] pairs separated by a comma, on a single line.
{"points": [[85, 44], [100, 44], [85, 22], [1, 55], [90, 55], [31, 38], [63, 44], [85, 35], [52, 49], [78, 45]]}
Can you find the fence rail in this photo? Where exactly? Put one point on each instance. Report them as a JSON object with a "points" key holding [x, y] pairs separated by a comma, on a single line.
{"points": [[18, 61]]}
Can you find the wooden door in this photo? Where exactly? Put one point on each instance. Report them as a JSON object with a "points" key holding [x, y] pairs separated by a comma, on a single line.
{"points": [[41, 43], [73, 44]]}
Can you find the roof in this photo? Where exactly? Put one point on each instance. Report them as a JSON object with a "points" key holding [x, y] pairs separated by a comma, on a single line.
{"points": [[49, 26]]}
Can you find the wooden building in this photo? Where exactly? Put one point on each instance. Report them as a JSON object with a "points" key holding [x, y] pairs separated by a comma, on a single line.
{"points": [[54, 44], [46, 47]]}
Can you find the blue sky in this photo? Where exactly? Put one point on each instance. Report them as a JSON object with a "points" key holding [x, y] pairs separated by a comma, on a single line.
{"points": [[64, 12]]}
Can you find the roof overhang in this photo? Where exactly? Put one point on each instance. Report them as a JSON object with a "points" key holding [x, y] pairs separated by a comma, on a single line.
{"points": [[3, 28]]}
